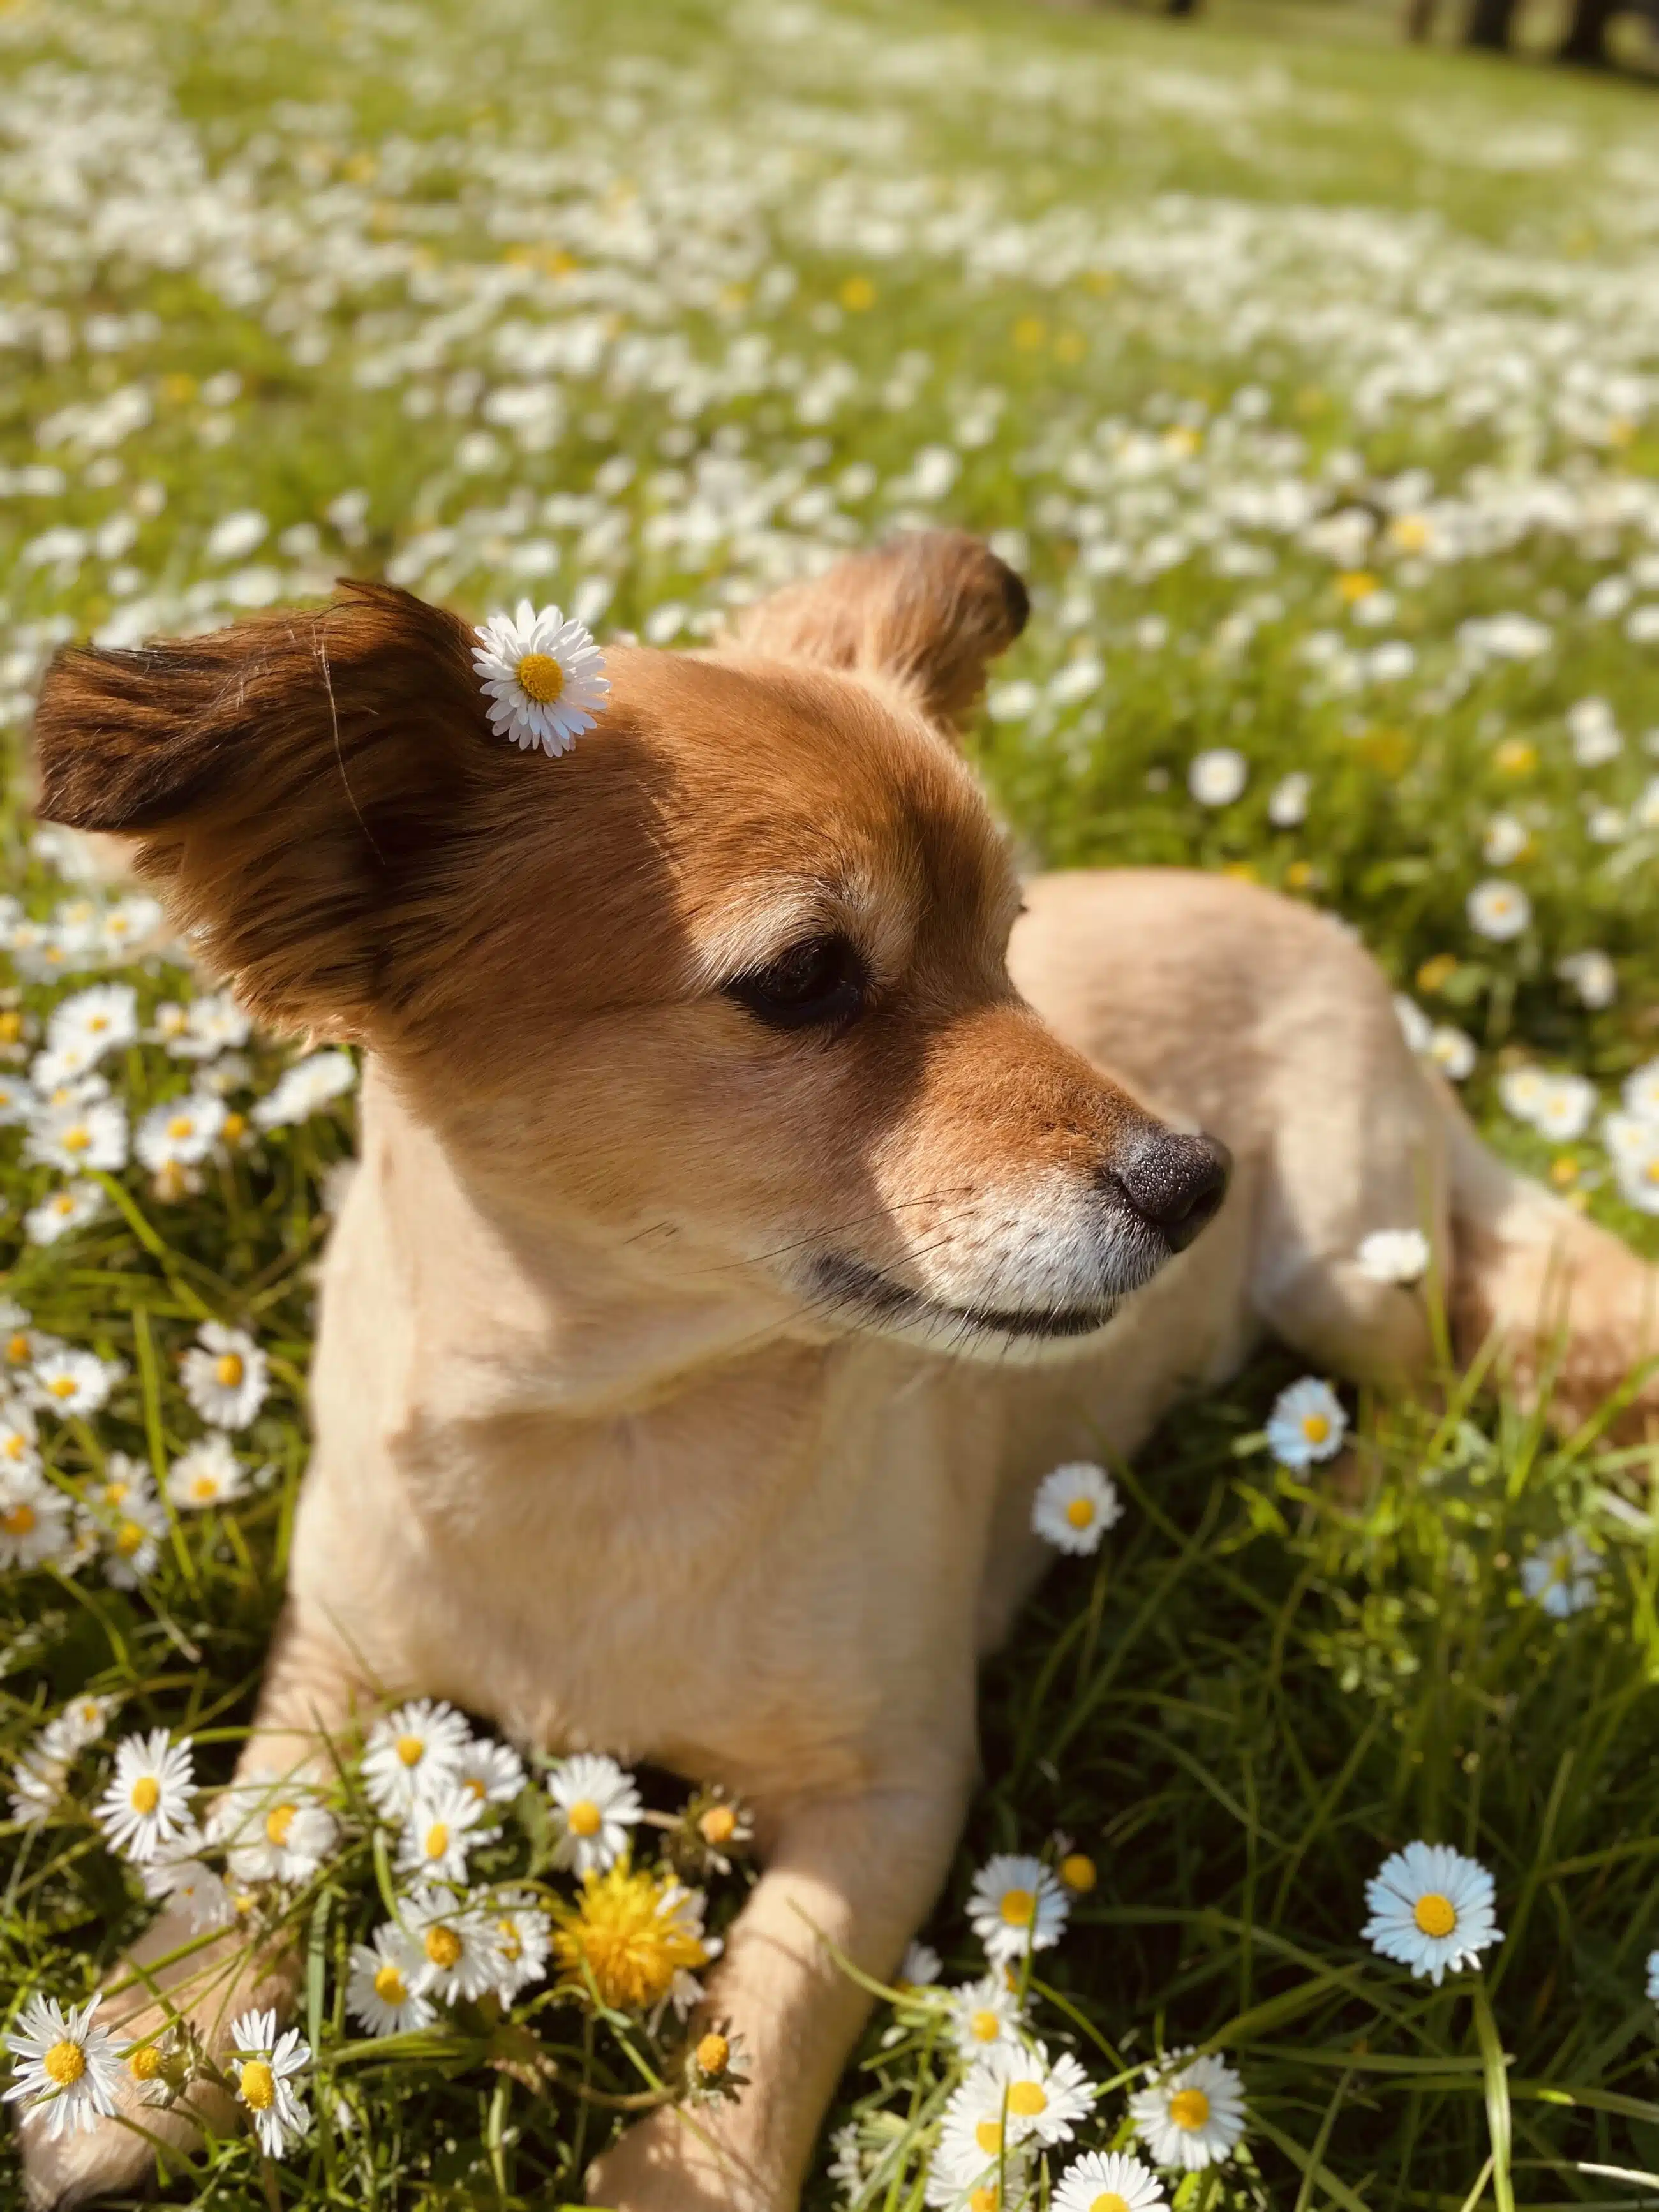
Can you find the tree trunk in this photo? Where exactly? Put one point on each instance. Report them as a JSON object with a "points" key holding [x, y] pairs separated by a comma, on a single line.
{"points": [[1586, 43], [1489, 25]]}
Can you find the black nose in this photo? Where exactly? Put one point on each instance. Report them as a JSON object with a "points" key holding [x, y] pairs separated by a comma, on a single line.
{"points": [[1177, 1183]]}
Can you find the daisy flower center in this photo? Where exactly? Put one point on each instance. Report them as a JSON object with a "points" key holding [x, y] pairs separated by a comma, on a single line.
{"points": [[1316, 1427], [540, 677], [585, 1817], [1109, 2201], [1077, 1871], [1189, 2109], [62, 1386], [17, 1443], [115, 1492], [411, 1750], [146, 1794], [278, 1821], [985, 2027], [512, 1948], [1080, 1512], [77, 1138], [144, 2065], [718, 1825], [714, 2054], [988, 2135], [443, 1946], [985, 2200], [258, 2086], [1018, 1908], [389, 1986], [20, 1521], [181, 1125], [65, 2063], [227, 1370], [205, 1486], [129, 1539], [17, 1350], [1027, 2099], [1435, 1915], [474, 1788], [437, 1840]]}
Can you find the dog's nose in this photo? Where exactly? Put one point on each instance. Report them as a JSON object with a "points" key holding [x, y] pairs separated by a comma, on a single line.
{"points": [[1177, 1183]]}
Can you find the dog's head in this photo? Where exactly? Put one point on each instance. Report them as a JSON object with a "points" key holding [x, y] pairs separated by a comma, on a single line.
{"points": [[726, 986]]}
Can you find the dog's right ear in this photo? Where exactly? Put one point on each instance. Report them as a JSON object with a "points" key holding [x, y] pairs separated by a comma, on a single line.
{"points": [[300, 787]]}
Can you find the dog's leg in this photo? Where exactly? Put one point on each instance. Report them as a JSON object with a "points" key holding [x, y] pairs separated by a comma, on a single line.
{"points": [[857, 1873], [307, 1697]]}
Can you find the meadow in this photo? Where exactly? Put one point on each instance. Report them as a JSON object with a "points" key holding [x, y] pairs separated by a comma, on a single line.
{"points": [[1315, 388]]}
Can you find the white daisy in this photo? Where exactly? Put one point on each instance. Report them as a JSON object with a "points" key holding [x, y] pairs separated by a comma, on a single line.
{"points": [[18, 1435], [131, 1536], [383, 1992], [124, 1479], [225, 1374], [984, 2013], [66, 1210], [544, 676], [1393, 1255], [17, 1100], [69, 1382], [264, 2065], [103, 1019], [918, 1968], [1640, 1092], [524, 1938], [83, 1720], [1307, 1424], [1075, 1506], [210, 1024], [1653, 1977], [412, 1752], [439, 1832], [208, 1474], [125, 926], [1016, 1905], [1592, 975], [1108, 2181], [33, 1519], [1045, 2097], [1563, 1107], [79, 1138], [979, 2164], [491, 1773], [180, 1879], [38, 1783], [304, 1089], [273, 1829], [458, 1943], [1288, 803], [1498, 910], [180, 1133], [1561, 1575], [1634, 1147], [1431, 1908], [1452, 1051], [146, 1804], [1217, 777], [595, 1804], [68, 2066], [1193, 2117]]}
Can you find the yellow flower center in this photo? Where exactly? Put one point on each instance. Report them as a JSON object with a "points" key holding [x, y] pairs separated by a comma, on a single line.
{"points": [[1080, 1512], [714, 2054], [205, 1486], [411, 1749], [718, 1824], [1109, 2201], [278, 1821], [17, 1349], [115, 1492], [389, 1986], [1077, 1871], [512, 1944], [540, 677], [234, 1129], [65, 2063], [626, 1932], [20, 1521], [585, 1817], [443, 1946], [1435, 1915], [1316, 1427], [146, 1794], [474, 1788], [227, 1370], [984, 2199], [985, 2026], [258, 2086], [988, 2135], [1018, 1908], [1189, 2109], [1027, 2099], [1356, 584], [62, 1386], [144, 2065], [129, 1539], [77, 1138], [181, 1125], [437, 1840]]}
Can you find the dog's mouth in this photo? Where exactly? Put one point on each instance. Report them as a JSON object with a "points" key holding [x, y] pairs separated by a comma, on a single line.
{"points": [[866, 1296]]}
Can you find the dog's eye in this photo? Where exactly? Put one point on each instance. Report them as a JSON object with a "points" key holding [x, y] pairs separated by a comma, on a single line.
{"points": [[817, 984]]}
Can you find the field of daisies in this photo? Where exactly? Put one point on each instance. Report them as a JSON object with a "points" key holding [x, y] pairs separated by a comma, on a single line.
{"points": [[1315, 388]]}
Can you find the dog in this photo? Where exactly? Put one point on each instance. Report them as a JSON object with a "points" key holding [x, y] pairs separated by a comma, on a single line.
{"points": [[760, 1190]]}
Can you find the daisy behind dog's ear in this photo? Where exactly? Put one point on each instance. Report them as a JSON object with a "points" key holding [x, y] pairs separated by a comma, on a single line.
{"points": [[544, 676]]}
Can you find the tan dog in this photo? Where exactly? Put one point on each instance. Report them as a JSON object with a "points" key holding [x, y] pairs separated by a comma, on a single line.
{"points": [[744, 1223]]}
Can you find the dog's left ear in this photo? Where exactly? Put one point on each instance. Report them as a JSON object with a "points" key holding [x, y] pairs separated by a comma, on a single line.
{"points": [[929, 611]]}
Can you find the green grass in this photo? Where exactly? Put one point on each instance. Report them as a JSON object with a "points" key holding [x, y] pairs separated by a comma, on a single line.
{"points": [[775, 244]]}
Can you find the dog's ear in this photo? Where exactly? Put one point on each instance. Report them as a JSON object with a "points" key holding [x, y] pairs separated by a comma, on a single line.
{"points": [[929, 611], [299, 785]]}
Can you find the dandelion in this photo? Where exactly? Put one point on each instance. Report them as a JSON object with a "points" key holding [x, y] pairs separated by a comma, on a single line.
{"points": [[1108, 2181], [208, 1473], [1217, 777], [1307, 1424], [544, 676], [438, 1833], [147, 1804], [264, 2065], [1075, 1506], [68, 2066], [1393, 1255], [1431, 1908], [383, 1990], [1498, 910], [638, 1936], [1016, 1906], [416, 1749], [1561, 1575], [595, 1805], [1193, 2117]]}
